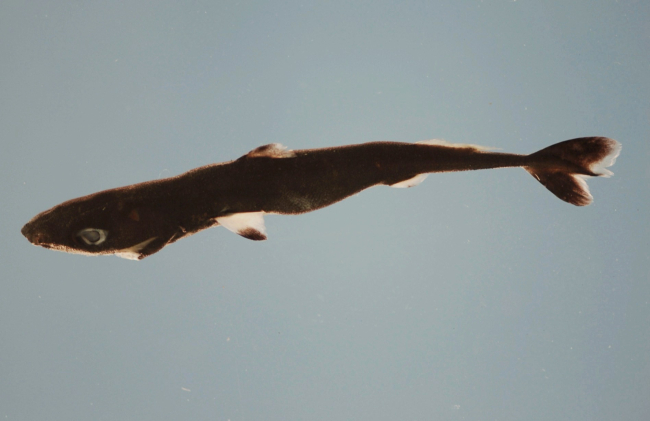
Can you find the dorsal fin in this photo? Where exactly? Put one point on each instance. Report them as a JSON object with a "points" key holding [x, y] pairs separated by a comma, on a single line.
{"points": [[249, 224], [272, 150], [441, 142]]}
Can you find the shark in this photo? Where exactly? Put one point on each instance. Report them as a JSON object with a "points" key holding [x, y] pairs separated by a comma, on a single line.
{"points": [[138, 220]]}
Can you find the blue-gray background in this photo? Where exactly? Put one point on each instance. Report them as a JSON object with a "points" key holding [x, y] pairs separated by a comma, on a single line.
{"points": [[473, 296]]}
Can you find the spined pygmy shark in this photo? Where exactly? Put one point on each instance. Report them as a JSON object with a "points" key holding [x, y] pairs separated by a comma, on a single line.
{"points": [[137, 221]]}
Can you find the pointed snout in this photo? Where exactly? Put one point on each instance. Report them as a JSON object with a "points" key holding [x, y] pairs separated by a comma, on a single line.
{"points": [[33, 236], [27, 231]]}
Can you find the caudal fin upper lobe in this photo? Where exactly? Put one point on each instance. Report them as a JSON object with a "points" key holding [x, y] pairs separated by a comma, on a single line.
{"points": [[564, 167]]}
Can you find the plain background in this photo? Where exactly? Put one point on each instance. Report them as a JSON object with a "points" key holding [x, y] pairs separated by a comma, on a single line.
{"points": [[474, 296]]}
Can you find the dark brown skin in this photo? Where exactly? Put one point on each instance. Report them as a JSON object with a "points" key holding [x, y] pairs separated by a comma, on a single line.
{"points": [[145, 217], [317, 178]]}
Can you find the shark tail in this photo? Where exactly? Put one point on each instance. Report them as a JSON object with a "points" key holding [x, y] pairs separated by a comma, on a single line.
{"points": [[564, 167]]}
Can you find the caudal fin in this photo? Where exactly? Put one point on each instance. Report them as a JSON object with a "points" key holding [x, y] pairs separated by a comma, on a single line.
{"points": [[564, 167]]}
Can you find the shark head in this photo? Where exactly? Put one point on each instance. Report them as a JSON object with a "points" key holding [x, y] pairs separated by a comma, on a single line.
{"points": [[99, 224]]}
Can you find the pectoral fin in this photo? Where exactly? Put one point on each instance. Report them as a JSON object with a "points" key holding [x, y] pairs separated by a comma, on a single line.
{"points": [[141, 250], [249, 225]]}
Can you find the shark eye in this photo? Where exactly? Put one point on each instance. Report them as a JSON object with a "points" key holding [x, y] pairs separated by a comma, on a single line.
{"points": [[92, 236]]}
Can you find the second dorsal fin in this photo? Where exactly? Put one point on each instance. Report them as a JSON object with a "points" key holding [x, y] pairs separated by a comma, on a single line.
{"points": [[441, 142]]}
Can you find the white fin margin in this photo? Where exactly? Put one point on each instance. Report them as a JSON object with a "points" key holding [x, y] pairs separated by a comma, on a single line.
{"points": [[441, 142], [272, 150], [248, 224], [133, 253], [411, 182], [600, 167], [581, 179]]}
